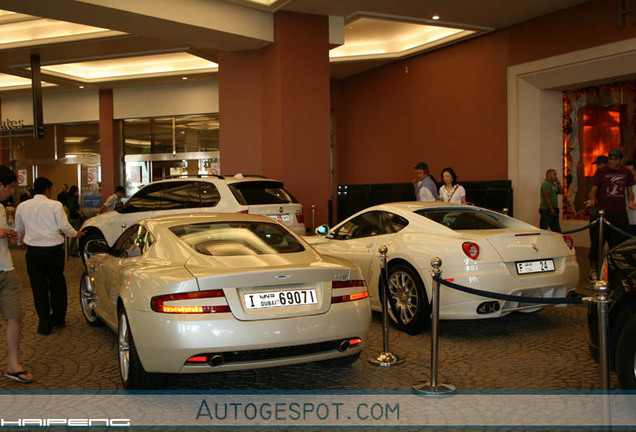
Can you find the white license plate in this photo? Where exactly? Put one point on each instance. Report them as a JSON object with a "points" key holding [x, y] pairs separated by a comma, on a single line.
{"points": [[285, 217], [272, 299], [539, 266]]}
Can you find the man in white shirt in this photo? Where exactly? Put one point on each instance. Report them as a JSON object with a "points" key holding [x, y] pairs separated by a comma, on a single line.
{"points": [[112, 200], [10, 306], [39, 222]]}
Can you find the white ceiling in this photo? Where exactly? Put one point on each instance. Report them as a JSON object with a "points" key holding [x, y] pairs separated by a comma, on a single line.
{"points": [[114, 43]]}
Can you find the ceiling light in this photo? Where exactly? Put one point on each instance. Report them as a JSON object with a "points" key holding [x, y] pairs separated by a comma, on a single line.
{"points": [[81, 87], [435, 17], [184, 78]]}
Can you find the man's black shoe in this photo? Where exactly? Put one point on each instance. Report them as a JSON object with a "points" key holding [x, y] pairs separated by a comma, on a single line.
{"points": [[45, 330], [59, 324]]}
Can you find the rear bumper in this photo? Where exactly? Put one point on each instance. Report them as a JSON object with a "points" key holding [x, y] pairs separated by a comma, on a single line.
{"points": [[497, 278], [165, 341]]}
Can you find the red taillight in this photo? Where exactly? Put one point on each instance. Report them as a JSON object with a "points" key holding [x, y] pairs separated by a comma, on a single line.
{"points": [[244, 212], [197, 359], [354, 341], [157, 303], [568, 241], [300, 218], [471, 249], [350, 297], [347, 284]]}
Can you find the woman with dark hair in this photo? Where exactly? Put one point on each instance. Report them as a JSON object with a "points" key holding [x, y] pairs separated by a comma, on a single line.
{"points": [[451, 191], [75, 215]]}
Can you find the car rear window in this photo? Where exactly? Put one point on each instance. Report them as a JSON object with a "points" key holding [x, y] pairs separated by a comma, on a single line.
{"points": [[237, 238], [261, 192], [465, 219]]}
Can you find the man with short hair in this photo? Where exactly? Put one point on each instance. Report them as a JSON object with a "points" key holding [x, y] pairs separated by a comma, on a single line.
{"points": [[10, 306], [600, 162], [39, 222], [425, 187], [112, 200], [611, 185], [63, 196], [549, 207]]}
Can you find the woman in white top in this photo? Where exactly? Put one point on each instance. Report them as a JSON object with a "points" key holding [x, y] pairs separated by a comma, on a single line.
{"points": [[450, 190]]}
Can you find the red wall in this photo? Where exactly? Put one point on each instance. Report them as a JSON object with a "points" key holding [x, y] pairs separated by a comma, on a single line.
{"points": [[449, 107]]}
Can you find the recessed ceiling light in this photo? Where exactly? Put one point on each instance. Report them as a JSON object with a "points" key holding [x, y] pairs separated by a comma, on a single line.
{"points": [[435, 17], [184, 78], [81, 87]]}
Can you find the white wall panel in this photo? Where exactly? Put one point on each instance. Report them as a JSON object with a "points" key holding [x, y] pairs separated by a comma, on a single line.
{"points": [[182, 99], [57, 108]]}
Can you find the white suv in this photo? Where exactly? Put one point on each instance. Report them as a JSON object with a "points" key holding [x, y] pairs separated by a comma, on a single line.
{"points": [[237, 194]]}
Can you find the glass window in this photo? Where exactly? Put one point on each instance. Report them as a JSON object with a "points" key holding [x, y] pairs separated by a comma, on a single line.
{"points": [[134, 242], [261, 192], [238, 238], [365, 225], [463, 219], [209, 194], [180, 195], [146, 199]]}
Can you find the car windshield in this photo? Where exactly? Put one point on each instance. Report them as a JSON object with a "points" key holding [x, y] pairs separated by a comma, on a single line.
{"points": [[465, 219], [261, 192], [237, 238]]}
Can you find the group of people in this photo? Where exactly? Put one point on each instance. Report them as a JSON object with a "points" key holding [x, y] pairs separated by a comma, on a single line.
{"points": [[426, 186], [611, 189], [40, 226]]}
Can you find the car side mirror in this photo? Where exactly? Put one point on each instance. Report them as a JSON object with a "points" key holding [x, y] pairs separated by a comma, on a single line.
{"points": [[95, 247], [322, 230], [119, 207]]}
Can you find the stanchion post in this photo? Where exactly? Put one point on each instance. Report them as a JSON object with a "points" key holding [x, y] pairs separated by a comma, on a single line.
{"points": [[505, 211], [432, 387], [602, 305], [313, 218], [601, 234], [385, 358]]}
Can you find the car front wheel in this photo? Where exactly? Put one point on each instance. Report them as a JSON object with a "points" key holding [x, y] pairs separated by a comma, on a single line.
{"points": [[626, 355], [409, 310], [87, 300], [133, 375]]}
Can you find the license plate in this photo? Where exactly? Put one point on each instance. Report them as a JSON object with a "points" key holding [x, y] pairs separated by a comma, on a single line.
{"points": [[272, 299], [539, 266], [285, 217]]}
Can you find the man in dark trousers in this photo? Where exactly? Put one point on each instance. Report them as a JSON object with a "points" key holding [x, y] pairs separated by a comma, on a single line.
{"points": [[39, 222]]}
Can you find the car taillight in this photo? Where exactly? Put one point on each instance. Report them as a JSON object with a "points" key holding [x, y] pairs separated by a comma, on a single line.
{"points": [[568, 241], [243, 212], [349, 297], [157, 303], [300, 218], [471, 249]]}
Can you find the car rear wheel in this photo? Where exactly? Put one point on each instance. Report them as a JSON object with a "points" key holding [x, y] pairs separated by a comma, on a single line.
{"points": [[409, 309], [87, 300], [626, 355], [133, 375]]}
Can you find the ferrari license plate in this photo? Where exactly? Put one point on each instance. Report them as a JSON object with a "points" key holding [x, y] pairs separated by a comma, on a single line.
{"points": [[272, 299], [285, 217], [539, 266]]}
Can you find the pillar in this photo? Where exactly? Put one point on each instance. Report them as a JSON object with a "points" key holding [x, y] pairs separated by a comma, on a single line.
{"points": [[274, 110], [109, 147]]}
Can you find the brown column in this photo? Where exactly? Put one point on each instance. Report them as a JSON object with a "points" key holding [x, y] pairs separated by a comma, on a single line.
{"points": [[274, 110], [4, 148], [109, 147]]}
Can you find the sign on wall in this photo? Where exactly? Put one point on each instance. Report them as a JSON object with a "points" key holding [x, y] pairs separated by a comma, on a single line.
{"points": [[22, 177], [91, 175]]}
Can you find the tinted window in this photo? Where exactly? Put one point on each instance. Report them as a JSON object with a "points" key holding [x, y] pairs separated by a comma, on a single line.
{"points": [[179, 195], [146, 199], [134, 242], [365, 225], [464, 219], [237, 238], [209, 194], [261, 192]]}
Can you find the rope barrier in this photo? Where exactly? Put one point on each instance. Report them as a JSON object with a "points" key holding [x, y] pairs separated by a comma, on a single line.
{"points": [[581, 229], [508, 297], [618, 230]]}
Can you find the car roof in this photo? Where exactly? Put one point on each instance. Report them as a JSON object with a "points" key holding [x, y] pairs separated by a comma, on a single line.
{"points": [[180, 219], [411, 206], [237, 178]]}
